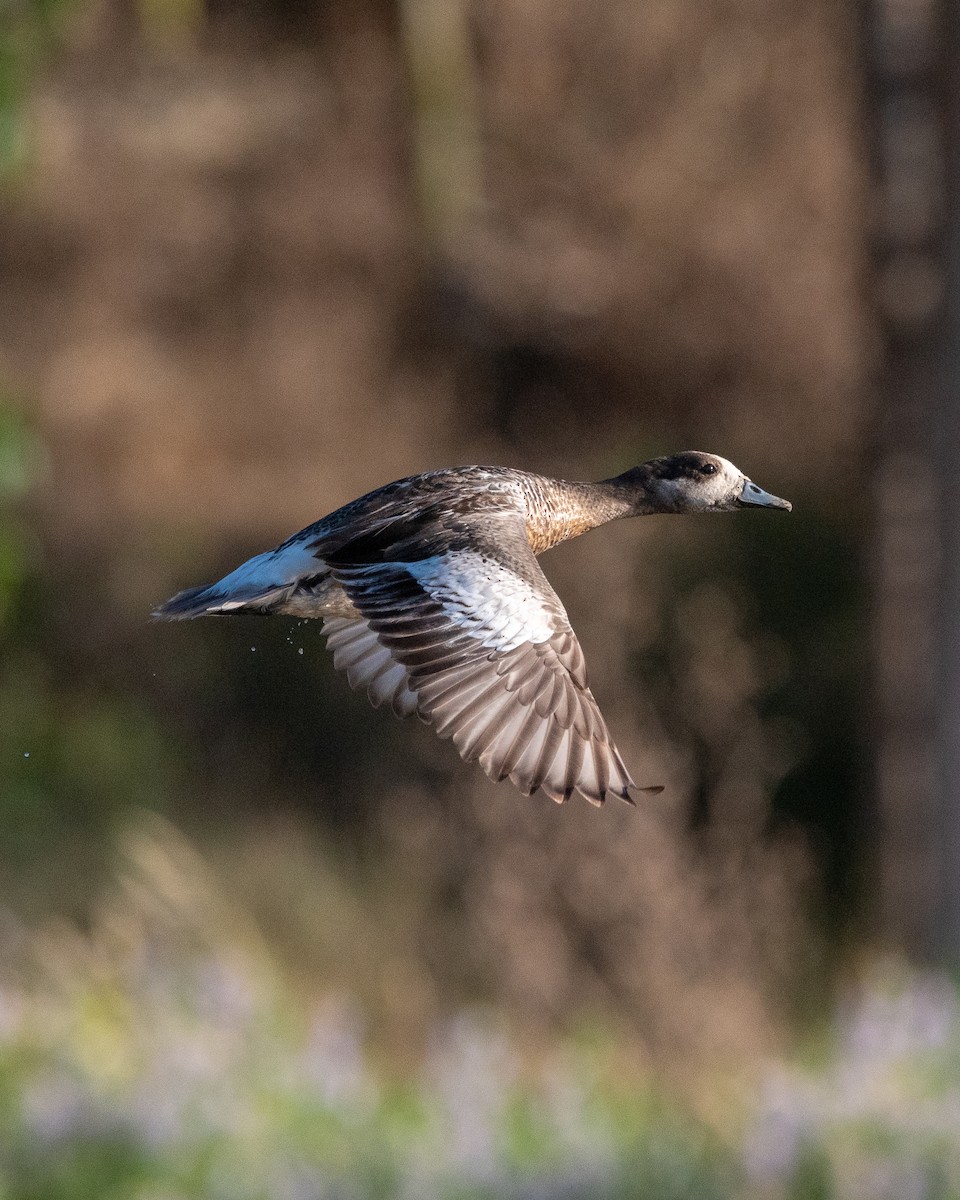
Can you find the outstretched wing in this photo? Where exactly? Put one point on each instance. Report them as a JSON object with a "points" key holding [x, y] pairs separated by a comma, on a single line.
{"points": [[486, 647]]}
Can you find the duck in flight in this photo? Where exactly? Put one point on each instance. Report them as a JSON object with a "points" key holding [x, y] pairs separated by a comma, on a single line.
{"points": [[432, 599]]}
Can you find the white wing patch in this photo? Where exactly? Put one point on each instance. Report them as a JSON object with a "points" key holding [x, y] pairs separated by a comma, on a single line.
{"points": [[493, 663], [484, 598]]}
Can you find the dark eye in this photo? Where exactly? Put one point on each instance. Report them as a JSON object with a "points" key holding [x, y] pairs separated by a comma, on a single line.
{"points": [[708, 469]]}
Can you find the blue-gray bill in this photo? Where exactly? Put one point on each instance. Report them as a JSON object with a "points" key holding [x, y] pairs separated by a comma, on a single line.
{"points": [[755, 497]]}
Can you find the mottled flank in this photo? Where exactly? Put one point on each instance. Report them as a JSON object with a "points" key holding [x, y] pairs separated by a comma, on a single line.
{"points": [[432, 600]]}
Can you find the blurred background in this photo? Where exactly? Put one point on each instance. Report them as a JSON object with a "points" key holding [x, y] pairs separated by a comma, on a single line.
{"points": [[258, 257]]}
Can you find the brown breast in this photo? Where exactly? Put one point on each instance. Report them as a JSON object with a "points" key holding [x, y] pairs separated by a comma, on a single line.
{"points": [[557, 510]]}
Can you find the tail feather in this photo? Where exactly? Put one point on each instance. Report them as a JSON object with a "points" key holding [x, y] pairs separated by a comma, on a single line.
{"points": [[261, 584], [192, 602], [212, 600]]}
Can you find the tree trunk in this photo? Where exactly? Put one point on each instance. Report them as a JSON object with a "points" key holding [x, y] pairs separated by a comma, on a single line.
{"points": [[916, 82]]}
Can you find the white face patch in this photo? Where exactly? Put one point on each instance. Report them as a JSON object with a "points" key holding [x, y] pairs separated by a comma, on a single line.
{"points": [[485, 599], [705, 493], [726, 485]]}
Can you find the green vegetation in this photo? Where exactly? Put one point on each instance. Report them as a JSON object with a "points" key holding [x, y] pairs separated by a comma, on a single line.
{"points": [[28, 31], [164, 1052]]}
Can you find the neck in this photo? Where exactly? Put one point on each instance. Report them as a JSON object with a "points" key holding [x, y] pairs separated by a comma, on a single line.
{"points": [[558, 509], [634, 490]]}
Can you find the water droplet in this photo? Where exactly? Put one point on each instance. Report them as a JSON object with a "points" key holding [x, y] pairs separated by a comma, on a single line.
{"points": [[26, 754], [300, 651], [253, 649]]}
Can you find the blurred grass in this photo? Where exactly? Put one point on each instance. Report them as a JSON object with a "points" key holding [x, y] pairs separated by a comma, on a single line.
{"points": [[163, 1052]]}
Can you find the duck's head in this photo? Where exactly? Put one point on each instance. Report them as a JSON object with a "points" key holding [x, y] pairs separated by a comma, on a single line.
{"points": [[692, 482]]}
